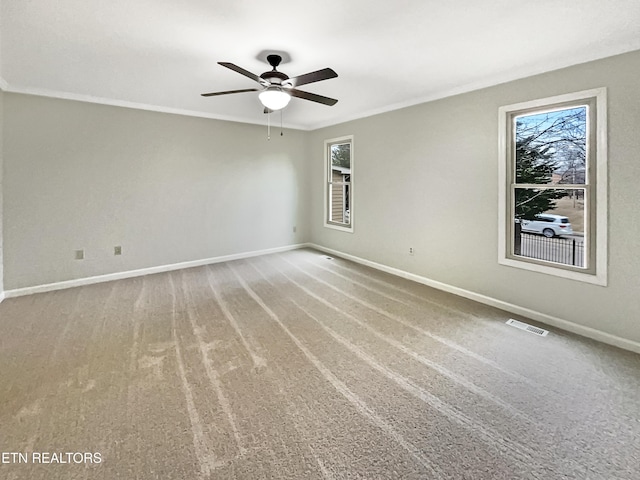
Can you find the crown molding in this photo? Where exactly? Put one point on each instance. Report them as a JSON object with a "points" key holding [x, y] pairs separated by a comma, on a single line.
{"points": [[488, 82], [501, 78], [41, 92]]}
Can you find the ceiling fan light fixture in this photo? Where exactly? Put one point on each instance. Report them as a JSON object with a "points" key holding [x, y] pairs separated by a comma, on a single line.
{"points": [[274, 98]]}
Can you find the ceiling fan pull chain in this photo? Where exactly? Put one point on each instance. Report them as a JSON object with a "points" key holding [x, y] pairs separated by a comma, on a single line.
{"points": [[281, 134], [269, 125]]}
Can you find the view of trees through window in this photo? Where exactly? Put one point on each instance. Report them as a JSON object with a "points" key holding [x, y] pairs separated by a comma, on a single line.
{"points": [[341, 155], [550, 190]]}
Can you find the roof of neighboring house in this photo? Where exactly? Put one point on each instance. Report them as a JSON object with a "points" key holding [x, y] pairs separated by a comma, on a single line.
{"points": [[343, 170]]}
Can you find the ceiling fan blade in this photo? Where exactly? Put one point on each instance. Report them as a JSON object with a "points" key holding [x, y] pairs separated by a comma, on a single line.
{"points": [[244, 72], [213, 94], [324, 74], [311, 96]]}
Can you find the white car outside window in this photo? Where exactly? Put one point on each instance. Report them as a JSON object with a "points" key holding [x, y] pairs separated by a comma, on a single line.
{"points": [[548, 225]]}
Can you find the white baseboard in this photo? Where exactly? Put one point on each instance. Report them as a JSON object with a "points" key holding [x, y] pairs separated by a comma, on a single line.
{"points": [[18, 292], [493, 302], [509, 307]]}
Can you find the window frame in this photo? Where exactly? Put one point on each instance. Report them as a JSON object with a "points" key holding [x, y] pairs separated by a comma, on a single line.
{"points": [[328, 182], [596, 227]]}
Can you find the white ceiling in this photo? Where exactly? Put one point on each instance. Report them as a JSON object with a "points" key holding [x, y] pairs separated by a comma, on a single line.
{"points": [[161, 54]]}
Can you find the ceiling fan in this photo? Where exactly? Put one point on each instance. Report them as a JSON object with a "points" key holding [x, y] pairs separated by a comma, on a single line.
{"points": [[276, 88]]}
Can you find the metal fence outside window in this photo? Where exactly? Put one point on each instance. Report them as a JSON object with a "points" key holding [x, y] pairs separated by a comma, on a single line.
{"points": [[568, 251]]}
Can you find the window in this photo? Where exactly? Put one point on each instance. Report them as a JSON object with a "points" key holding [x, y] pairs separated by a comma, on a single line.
{"points": [[553, 186], [338, 160]]}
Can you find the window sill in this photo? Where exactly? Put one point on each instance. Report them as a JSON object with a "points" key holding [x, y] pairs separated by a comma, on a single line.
{"points": [[333, 226], [595, 279]]}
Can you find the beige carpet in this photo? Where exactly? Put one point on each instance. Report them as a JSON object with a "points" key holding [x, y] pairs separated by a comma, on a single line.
{"points": [[296, 366]]}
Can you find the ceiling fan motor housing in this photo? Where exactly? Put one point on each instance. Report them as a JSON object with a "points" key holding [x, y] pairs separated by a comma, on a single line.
{"points": [[274, 77]]}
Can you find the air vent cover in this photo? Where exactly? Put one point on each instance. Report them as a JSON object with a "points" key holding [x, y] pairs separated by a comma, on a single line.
{"points": [[529, 328]]}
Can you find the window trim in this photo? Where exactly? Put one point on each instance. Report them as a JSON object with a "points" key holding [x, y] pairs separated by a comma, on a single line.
{"points": [[598, 273], [327, 162]]}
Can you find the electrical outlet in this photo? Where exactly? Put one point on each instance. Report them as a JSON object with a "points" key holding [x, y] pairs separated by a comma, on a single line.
{"points": [[411, 251], [79, 254], [294, 229], [117, 250]]}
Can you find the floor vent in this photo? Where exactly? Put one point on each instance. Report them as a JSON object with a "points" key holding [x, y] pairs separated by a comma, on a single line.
{"points": [[529, 328]]}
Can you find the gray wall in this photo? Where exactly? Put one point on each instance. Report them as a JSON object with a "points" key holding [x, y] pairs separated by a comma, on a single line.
{"points": [[172, 189], [167, 188], [426, 177]]}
